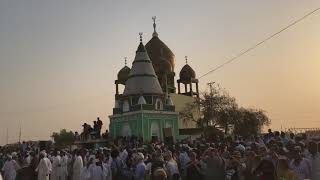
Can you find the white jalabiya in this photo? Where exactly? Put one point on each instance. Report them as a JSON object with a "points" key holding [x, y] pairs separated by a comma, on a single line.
{"points": [[302, 170], [94, 172], [108, 167], [64, 167], [77, 167], [48, 162], [44, 169], [10, 168], [56, 168]]}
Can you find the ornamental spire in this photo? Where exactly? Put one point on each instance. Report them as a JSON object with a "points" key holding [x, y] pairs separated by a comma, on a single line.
{"points": [[140, 34], [125, 61], [154, 34], [186, 58]]}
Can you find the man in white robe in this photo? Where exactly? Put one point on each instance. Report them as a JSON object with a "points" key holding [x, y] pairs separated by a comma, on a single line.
{"points": [[140, 171], [300, 166], [77, 167], [107, 165], [96, 170], [184, 159], [44, 167], [64, 166], [56, 167], [10, 168]]}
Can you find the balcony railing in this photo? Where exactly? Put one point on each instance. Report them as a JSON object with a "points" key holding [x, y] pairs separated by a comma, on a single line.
{"points": [[149, 107]]}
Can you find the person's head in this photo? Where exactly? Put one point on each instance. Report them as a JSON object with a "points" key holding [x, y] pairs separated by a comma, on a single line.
{"points": [[297, 153], [283, 134], [139, 157], [263, 150], [192, 156], [42, 155], [167, 156], [282, 167], [155, 156], [83, 152], [236, 155], [75, 152], [100, 156], [249, 155], [291, 136], [313, 147], [266, 167], [9, 157], [55, 153], [159, 174], [114, 153], [32, 154], [274, 148]]}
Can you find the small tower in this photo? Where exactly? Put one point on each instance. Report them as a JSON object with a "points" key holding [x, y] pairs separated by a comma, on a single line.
{"points": [[188, 77]]}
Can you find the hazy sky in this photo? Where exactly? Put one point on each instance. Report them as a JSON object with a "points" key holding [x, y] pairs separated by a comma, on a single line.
{"points": [[59, 59]]}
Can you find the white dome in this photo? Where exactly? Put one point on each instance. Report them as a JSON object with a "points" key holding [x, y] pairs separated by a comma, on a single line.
{"points": [[142, 78]]}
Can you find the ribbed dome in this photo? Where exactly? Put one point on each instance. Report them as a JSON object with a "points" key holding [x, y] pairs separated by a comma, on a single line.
{"points": [[123, 74], [187, 73], [159, 52]]}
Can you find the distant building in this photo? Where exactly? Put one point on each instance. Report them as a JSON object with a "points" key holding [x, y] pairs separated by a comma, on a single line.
{"points": [[149, 106]]}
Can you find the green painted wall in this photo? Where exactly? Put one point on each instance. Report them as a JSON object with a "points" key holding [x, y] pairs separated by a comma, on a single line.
{"points": [[141, 124]]}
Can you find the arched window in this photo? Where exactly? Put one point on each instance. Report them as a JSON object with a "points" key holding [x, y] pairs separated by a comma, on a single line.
{"points": [[168, 125], [159, 105], [155, 129], [126, 130], [125, 106]]}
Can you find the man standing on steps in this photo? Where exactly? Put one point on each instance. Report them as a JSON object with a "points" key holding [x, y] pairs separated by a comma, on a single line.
{"points": [[99, 124]]}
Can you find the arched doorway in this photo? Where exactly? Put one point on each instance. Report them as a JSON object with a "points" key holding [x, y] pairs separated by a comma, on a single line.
{"points": [[155, 131], [126, 130]]}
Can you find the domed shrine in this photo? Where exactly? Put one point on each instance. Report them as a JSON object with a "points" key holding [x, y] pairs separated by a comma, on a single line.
{"points": [[149, 106], [143, 110]]}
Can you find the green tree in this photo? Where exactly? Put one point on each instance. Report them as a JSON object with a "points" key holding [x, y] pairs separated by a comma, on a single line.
{"points": [[250, 122], [218, 109], [215, 107], [63, 138]]}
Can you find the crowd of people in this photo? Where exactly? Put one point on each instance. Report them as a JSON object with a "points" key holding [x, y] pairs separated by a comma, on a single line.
{"points": [[272, 156]]}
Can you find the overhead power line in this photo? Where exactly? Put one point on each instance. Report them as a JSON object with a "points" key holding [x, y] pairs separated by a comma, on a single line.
{"points": [[260, 43]]}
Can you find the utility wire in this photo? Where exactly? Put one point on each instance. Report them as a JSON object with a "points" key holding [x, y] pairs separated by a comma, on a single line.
{"points": [[260, 43]]}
